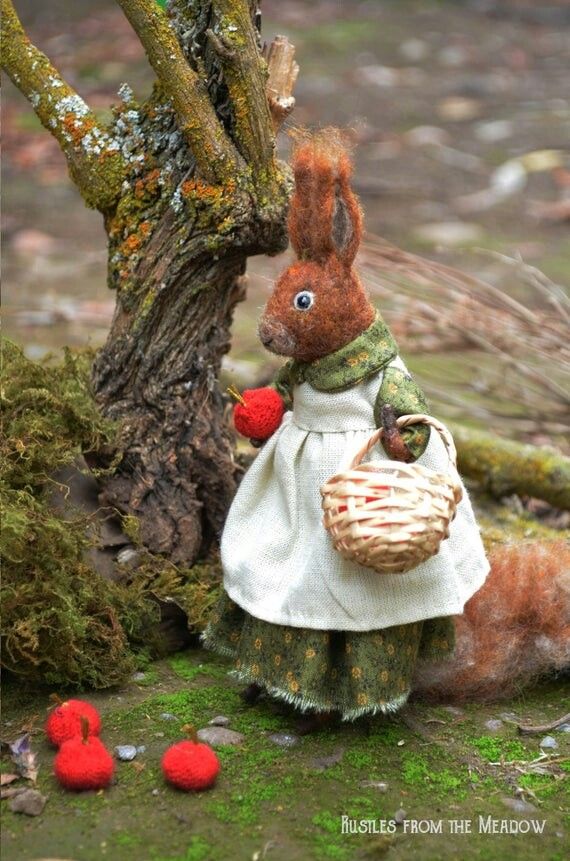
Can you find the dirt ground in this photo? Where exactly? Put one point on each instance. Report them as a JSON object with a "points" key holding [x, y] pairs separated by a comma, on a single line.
{"points": [[453, 105], [436, 764]]}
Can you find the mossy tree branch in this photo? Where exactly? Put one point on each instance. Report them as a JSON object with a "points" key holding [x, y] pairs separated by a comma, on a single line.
{"points": [[216, 157], [234, 39], [504, 467], [93, 155]]}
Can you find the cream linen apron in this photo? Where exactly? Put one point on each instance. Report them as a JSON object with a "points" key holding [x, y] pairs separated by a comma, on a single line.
{"points": [[278, 560]]}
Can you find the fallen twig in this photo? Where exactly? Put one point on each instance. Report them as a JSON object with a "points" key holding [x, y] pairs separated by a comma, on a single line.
{"points": [[529, 730]]}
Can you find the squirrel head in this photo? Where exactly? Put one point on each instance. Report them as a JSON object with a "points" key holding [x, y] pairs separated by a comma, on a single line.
{"points": [[318, 304]]}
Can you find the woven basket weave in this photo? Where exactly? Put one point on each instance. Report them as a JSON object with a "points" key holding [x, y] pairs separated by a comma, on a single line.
{"points": [[391, 516]]}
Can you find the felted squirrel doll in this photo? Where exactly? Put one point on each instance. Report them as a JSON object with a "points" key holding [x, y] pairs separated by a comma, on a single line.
{"points": [[301, 622]]}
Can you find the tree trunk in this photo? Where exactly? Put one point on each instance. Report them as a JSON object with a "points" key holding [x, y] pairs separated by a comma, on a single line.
{"points": [[189, 187], [177, 252], [158, 374], [177, 257]]}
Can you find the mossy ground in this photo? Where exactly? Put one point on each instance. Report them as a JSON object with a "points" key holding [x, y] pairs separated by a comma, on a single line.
{"points": [[276, 800]]}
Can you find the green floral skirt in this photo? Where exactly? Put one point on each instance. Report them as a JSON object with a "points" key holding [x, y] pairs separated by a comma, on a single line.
{"points": [[352, 672]]}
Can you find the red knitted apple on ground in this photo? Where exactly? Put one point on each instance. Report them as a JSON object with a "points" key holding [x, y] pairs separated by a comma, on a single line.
{"points": [[65, 721], [83, 762], [190, 764], [258, 413]]}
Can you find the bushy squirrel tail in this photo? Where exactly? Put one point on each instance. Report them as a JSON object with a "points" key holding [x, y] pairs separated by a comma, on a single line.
{"points": [[514, 630]]}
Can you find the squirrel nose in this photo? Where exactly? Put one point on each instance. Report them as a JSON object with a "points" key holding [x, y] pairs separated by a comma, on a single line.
{"points": [[275, 336], [266, 332]]}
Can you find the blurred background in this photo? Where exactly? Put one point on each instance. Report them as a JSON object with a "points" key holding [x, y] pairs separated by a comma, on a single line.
{"points": [[460, 113]]}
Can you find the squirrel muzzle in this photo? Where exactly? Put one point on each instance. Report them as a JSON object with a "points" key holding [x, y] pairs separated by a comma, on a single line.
{"points": [[275, 337]]}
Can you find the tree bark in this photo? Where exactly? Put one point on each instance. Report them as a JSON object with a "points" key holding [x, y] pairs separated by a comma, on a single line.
{"points": [[177, 256], [158, 375]]}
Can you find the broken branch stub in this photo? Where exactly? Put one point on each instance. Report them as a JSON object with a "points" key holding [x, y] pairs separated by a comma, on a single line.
{"points": [[282, 75]]}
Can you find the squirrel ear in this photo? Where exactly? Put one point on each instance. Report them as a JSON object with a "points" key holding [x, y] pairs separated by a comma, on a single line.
{"points": [[324, 216], [346, 228], [311, 205]]}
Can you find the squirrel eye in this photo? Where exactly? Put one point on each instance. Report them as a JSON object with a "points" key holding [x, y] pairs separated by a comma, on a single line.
{"points": [[304, 300]]}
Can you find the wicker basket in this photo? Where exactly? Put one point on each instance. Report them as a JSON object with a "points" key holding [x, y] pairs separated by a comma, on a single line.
{"points": [[388, 515]]}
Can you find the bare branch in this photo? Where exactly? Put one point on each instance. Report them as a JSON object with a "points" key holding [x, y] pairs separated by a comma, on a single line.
{"points": [[94, 159], [234, 39], [215, 154], [283, 71]]}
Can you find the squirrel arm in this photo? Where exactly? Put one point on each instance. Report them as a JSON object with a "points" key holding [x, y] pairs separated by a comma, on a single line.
{"points": [[400, 391], [284, 383]]}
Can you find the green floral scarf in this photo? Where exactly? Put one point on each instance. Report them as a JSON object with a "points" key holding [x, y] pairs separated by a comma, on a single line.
{"points": [[368, 354]]}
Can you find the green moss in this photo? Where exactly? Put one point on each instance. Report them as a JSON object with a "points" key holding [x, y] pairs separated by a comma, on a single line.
{"points": [[417, 771], [190, 706], [360, 758], [150, 675], [244, 808], [327, 821], [146, 305], [502, 466], [252, 769], [60, 624], [48, 416], [265, 793], [496, 749], [185, 667], [179, 663], [332, 851], [386, 735], [541, 785], [125, 838], [198, 850], [332, 844]]}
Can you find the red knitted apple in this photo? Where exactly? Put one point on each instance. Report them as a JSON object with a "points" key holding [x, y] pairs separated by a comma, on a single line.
{"points": [[65, 721], [258, 413], [190, 764], [83, 762]]}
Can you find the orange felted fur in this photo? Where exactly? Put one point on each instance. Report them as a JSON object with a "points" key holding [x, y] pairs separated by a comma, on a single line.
{"points": [[513, 630], [325, 226]]}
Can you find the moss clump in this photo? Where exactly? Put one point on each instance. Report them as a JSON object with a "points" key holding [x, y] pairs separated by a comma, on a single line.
{"points": [[416, 771], [48, 417], [62, 623], [496, 749]]}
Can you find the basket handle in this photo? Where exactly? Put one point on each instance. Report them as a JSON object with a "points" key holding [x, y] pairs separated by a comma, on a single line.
{"points": [[403, 422]]}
